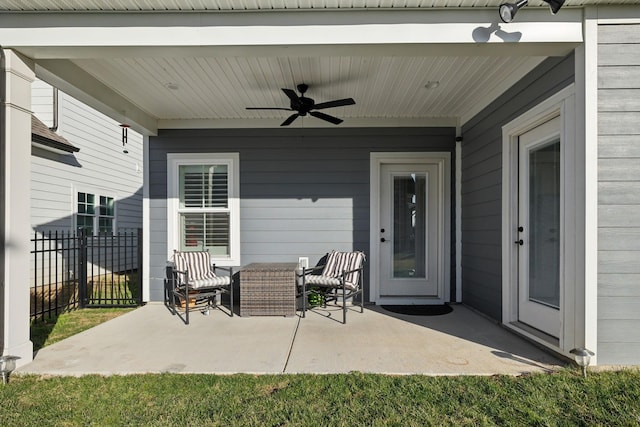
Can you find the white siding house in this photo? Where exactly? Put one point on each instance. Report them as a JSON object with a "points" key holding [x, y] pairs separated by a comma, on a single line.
{"points": [[100, 168]]}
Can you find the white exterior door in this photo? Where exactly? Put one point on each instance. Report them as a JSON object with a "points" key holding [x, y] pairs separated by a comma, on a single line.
{"points": [[412, 234], [540, 228]]}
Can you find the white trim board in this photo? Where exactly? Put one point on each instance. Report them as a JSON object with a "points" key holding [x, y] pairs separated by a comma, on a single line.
{"points": [[232, 160], [561, 104]]}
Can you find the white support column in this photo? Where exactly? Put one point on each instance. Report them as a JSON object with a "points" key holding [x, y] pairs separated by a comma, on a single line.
{"points": [[15, 155], [146, 222]]}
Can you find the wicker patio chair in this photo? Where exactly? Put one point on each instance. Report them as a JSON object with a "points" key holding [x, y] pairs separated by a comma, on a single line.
{"points": [[340, 278], [193, 280]]}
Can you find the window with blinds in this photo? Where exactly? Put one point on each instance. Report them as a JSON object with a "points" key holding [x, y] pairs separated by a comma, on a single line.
{"points": [[204, 208]]}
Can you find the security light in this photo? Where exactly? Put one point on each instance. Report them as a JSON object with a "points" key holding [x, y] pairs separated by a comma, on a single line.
{"points": [[555, 5], [508, 10]]}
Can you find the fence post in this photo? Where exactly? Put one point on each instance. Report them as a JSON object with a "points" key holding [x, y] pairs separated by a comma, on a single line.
{"points": [[82, 279], [140, 263]]}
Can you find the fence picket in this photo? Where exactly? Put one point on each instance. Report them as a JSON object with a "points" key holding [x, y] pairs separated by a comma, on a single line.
{"points": [[73, 271]]}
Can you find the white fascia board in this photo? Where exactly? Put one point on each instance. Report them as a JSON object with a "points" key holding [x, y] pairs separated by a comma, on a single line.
{"points": [[464, 26], [76, 82], [306, 123]]}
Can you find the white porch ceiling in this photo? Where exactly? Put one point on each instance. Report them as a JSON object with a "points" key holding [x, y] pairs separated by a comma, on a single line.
{"points": [[179, 74]]}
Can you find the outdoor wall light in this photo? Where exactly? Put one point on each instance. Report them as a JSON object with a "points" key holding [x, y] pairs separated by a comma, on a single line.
{"points": [[7, 365], [583, 358], [508, 10]]}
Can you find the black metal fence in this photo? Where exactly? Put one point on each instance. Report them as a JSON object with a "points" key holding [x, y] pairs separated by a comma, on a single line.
{"points": [[79, 271]]}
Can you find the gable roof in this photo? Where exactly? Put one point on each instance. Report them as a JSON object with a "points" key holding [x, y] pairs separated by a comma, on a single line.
{"points": [[43, 136]]}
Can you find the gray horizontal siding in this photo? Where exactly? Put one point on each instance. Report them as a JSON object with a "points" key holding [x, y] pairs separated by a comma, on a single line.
{"points": [[618, 194], [482, 182], [303, 192]]}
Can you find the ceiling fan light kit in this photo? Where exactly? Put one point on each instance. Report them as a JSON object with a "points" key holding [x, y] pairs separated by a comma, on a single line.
{"points": [[303, 105]]}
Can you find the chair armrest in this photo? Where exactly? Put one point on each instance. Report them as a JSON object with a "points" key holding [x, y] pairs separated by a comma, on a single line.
{"points": [[311, 270], [227, 269], [352, 271]]}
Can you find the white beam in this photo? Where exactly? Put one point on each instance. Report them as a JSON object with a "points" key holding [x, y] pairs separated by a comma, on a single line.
{"points": [[462, 26], [73, 80]]}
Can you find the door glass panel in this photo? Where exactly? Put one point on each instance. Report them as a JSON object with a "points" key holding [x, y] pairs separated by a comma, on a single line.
{"points": [[544, 224], [409, 225]]}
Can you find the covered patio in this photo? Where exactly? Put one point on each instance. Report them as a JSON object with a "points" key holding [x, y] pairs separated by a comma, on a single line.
{"points": [[151, 340], [448, 104]]}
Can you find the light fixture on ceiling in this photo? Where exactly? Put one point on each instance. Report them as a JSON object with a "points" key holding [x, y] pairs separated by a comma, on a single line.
{"points": [[508, 10], [432, 84], [172, 86]]}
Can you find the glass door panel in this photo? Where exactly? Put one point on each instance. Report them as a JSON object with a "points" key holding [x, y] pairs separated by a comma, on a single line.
{"points": [[409, 225], [544, 224]]}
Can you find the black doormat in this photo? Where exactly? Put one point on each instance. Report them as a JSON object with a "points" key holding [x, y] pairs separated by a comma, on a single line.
{"points": [[419, 310]]}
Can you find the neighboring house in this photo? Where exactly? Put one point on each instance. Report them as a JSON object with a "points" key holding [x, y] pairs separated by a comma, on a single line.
{"points": [[485, 163], [80, 176]]}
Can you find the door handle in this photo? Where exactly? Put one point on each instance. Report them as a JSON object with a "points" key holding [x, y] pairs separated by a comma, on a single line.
{"points": [[382, 239], [519, 242]]}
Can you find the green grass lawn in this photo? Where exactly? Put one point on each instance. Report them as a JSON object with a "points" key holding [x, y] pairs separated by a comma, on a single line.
{"points": [[562, 398]]}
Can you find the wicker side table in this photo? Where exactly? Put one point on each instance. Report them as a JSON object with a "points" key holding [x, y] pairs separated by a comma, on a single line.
{"points": [[268, 289]]}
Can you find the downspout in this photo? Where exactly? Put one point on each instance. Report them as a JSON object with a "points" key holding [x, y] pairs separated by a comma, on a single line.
{"points": [[3, 168], [55, 110]]}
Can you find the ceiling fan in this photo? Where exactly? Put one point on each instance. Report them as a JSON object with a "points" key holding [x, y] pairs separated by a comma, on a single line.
{"points": [[303, 106]]}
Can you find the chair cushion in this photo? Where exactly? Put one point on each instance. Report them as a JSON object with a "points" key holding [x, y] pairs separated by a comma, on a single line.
{"points": [[208, 282], [337, 262], [327, 281]]}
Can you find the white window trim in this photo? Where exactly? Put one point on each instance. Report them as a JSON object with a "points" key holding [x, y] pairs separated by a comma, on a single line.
{"points": [[97, 192], [561, 104], [232, 160]]}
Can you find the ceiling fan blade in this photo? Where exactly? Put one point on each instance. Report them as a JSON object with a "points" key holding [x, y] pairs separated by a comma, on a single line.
{"points": [[291, 94], [269, 108], [290, 119], [323, 116], [336, 103]]}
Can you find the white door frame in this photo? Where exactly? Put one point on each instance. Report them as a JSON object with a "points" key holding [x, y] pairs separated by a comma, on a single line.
{"points": [[561, 104], [444, 260]]}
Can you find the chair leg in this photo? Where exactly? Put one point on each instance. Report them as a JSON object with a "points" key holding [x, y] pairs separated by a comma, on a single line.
{"points": [[344, 303], [186, 306], [304, 297]]}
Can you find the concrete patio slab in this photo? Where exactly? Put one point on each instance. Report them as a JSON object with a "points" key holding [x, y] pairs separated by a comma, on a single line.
{"points": [[151, 340]]}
